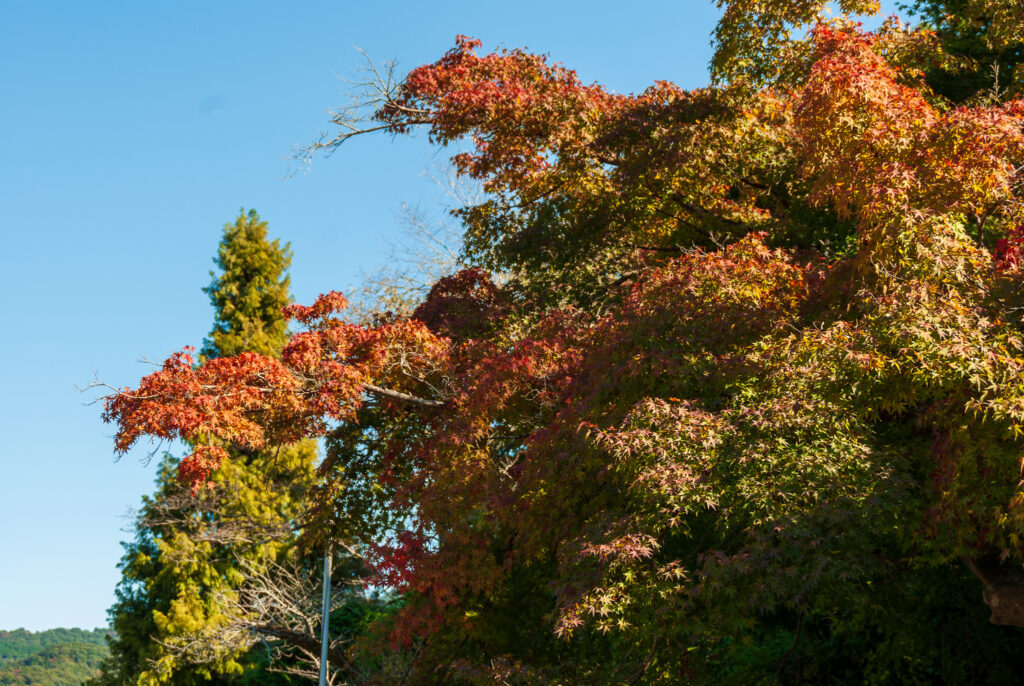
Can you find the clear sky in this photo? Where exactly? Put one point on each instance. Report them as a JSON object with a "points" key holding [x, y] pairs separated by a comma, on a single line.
{"points": [[130, 132]]}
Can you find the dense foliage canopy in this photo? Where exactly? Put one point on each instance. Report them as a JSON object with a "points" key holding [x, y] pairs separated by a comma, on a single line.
{"points": [[730, 391]]}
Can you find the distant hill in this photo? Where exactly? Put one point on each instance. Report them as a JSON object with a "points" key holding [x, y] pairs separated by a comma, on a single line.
{"points": [[56, 657]]}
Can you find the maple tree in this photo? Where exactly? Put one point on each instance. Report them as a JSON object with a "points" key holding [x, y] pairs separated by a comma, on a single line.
{"points": [[984, 46], [745, 400]]}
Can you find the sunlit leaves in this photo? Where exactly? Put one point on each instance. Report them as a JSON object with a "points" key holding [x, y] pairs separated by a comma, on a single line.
{"points": [[749, 351]]}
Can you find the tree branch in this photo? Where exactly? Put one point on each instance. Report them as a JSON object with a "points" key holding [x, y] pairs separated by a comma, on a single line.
{"points": [[335, 657], [403, 397], [1004, 587]]}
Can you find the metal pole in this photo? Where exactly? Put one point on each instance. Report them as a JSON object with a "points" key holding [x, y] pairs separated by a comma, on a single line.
{"points": [[327, 617]]}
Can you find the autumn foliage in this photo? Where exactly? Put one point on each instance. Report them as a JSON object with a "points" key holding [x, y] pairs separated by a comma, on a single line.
{"points": [[750, 352]]}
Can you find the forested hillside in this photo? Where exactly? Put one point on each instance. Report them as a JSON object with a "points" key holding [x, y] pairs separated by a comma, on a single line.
{"points": [[56, 657]]}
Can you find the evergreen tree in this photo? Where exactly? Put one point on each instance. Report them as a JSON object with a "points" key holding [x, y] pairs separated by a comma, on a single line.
{"points": [[250, 291], [191, 550]]}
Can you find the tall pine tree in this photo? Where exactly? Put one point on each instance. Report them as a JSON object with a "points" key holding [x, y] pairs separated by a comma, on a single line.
{"points": [[192, 552]]}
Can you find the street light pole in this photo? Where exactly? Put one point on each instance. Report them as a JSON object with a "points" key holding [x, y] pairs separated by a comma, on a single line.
{"points": [[327, 616]]}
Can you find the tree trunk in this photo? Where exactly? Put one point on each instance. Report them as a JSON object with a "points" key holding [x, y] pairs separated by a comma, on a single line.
{"points": [[1004, 587]]}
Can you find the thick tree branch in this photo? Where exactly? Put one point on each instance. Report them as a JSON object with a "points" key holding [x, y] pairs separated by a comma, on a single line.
{"points": [[403, 397]]}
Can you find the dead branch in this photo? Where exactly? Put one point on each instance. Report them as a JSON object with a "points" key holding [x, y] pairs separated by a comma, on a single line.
{"points": [[277, 606], [426, 248], [374, 87]]}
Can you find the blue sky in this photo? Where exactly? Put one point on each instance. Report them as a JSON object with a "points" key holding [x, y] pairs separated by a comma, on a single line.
{"points": [[131, 132]]}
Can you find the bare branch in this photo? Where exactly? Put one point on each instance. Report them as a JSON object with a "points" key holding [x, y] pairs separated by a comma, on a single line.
{"points": [[426, 248], [375, 86], [277, 606]]}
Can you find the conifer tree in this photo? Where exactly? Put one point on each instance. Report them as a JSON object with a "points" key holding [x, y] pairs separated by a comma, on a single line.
{"points": [[249, 292], [191, 549]]}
